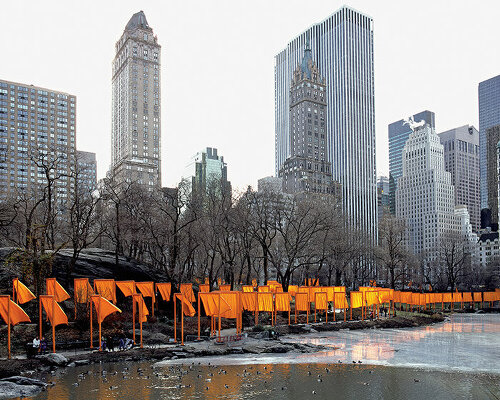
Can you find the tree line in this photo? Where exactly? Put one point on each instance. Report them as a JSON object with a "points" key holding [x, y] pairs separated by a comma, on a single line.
{"points": [[236, 237]]}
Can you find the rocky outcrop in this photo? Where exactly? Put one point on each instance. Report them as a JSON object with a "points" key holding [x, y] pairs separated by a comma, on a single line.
{"points": [[92, 263], [53, 359], [20, 386]]}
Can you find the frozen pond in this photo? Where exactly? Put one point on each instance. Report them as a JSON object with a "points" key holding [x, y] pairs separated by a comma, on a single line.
{"points": [[465, 342], [456, 359]]}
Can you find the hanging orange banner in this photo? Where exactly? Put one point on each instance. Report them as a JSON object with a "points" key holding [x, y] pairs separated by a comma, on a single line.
{"points": [[141, 307], [320, 301], [301, 301], [372, 298], [224, 288], [126, 287], [457, 297], [187, 290], [165, 289], [233, 300], [146, 288], [11, 312], [491, 296], [265, 301], [406, 297], [304, 289], [22, 293], [282, 302], [467, 297], [356, 299], [263, 289], [204, 288], [103, 307], [292, 289], [340, 301], [106, 288], [477, 297], [247, 288], [248, 301], [210, 301], [56, 290], [53, 310], [189, 310], [82, 290], [385, 295]]}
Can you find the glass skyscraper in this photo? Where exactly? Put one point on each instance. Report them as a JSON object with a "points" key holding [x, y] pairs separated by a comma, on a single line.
{"points": [[342, 47], [489, 116], [399, 132]]}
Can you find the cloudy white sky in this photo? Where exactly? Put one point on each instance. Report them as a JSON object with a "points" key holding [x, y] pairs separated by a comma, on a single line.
{"points": [[217, 67]]}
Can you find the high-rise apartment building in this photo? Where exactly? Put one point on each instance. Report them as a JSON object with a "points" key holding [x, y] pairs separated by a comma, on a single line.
{"points": [[87, 170], [399, 132], [425, 197], [207, 171], [308, 168], [37, 139], [492, 136], [342, 46], [136, 120], [489, 115], [461, 159]]}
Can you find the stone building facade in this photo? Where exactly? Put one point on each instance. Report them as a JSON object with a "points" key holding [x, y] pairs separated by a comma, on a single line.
{"points": [[308, 168], [461, 159], [136, 106]]}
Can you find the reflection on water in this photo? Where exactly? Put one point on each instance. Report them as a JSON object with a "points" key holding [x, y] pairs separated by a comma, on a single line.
{"points": [[465, 343], [453, 347], [267, 381]]}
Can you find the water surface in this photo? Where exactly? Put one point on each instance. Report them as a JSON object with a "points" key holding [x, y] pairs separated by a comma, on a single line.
{"points": [[456, 359]]}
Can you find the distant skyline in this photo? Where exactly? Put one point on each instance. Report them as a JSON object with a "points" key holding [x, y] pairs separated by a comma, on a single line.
{"points": [[218, 68]]}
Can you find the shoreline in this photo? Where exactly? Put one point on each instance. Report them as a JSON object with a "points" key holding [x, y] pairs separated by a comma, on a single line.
{"points": [[259, 344]]}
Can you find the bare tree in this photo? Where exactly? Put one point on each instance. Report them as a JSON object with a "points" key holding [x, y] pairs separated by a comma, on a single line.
{"points": [[391, 252], [84, 225], [454, 256]]}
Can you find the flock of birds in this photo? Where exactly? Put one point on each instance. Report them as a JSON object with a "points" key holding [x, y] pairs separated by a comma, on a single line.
{"points": [[177, 372]]}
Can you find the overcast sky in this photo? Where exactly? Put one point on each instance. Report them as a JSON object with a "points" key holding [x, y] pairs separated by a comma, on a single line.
{"points": [[217, 77]]}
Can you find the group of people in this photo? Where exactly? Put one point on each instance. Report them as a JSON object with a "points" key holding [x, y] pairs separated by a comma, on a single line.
{"points": [[109, 343], [40, 344]]}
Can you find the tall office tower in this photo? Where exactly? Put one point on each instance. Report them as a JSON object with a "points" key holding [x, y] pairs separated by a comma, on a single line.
{"points": [[208, 171], [461, 159], [87, 170], [37, 139], [342, 46], [136, 120], [425, 197], [492, 139], [489, 115], [383, 200], [307, 169], [399, 132]]}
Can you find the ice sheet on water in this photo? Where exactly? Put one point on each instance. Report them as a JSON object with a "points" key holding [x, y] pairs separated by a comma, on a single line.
{"points": [[465, 342]]}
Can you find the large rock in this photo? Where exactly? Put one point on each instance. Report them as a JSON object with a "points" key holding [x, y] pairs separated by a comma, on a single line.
{"points": [[22, 380], [18, 386], [92, 263], [53, 359], [158, 338]]}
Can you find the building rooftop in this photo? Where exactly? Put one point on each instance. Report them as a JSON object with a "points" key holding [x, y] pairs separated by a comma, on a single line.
{"points": [[138, 20], [305, 66], [488, 236]]}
